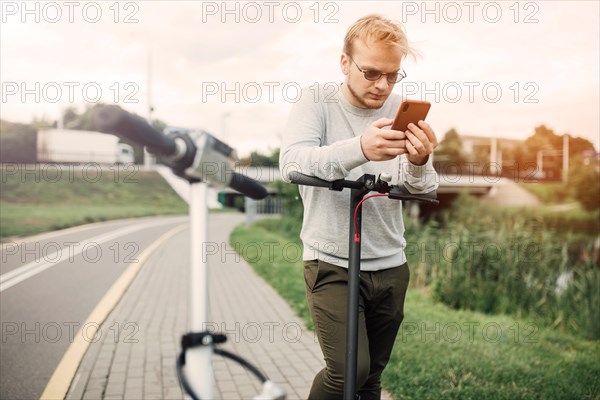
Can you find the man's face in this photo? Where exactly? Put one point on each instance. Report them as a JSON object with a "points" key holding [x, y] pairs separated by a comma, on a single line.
{"points": [[359, 91]]}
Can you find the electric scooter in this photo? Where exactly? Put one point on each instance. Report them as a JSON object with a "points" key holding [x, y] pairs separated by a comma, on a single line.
{"points": [[359, 188]]}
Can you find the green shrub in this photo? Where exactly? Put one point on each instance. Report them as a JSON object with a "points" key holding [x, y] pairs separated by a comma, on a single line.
{"points": [[509, 261], [586, 184]]}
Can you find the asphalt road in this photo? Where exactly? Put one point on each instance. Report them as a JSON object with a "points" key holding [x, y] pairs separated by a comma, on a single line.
{"points": [[50, 285]]}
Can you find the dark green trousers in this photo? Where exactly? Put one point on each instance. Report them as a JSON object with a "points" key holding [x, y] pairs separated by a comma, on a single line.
{"points": [[381, 310]]}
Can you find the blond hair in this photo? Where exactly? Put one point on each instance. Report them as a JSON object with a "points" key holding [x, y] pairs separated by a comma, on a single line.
{"points": [[375, 27]]}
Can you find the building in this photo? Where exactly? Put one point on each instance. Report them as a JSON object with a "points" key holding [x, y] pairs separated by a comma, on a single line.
{"points": [[492, 153]]}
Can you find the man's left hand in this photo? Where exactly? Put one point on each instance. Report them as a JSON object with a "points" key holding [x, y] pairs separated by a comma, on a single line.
{"points": [[421, 141]]}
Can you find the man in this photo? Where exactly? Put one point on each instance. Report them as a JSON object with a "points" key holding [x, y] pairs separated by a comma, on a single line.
{"points": [[336, 132]]}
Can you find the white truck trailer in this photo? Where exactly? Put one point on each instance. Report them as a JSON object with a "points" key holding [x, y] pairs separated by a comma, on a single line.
{"points": [[75, 146]]}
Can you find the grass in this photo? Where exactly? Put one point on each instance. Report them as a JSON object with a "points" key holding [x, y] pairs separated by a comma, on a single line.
{"points": [[445, 353], [550, 192], [40, 198], [576, 220]]}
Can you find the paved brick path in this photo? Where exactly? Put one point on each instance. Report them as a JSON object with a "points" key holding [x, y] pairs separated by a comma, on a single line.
{"points": [[134, 357]]}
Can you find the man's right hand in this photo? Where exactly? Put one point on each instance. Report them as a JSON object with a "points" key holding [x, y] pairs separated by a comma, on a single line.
{"points": [[380, 144]]}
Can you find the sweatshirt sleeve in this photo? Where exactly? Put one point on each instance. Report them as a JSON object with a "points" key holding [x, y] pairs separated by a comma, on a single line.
{"points": [[418, 178], [302, 147]]}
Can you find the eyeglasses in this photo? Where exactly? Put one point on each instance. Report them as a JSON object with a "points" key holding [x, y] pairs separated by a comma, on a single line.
{"points": [[374, 75]]}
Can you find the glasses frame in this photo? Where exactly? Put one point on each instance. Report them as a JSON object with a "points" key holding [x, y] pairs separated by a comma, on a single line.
{"points": [[401, 74]]}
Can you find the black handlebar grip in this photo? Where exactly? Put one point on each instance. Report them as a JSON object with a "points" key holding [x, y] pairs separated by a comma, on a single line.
{"points": [[113, 119], [400, 192], [301, 179], [247, 186]]}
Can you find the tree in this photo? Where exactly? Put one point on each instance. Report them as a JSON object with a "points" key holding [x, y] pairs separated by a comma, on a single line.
{"points": [[543, 139], [42, 123], [17, 142], [73, 120], [585, 182], [551, 145], [451, 148], [578, 145], [257, 159], [159, 125], [70, 118]]}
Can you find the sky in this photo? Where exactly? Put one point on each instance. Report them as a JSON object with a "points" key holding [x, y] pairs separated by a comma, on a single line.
{"points": [[489, 68]]}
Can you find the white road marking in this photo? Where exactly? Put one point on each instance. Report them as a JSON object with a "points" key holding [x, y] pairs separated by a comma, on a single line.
{"points": [[51, 259]]}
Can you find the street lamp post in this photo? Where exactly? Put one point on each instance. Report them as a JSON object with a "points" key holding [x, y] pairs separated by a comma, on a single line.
{"points": [[224, 117], [565, 158]]}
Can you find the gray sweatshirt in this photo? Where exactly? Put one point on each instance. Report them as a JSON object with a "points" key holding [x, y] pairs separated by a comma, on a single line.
{"points": [[322, 139]]}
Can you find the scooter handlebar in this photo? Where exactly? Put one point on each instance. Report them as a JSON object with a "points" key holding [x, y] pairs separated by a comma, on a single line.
{"points": [[113, 119], [397, 192], [306, 180]]}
